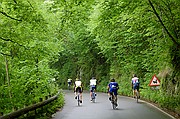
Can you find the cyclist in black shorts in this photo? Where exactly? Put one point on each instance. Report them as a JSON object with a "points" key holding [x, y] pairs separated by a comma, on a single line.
{"points": [[78, 88]]}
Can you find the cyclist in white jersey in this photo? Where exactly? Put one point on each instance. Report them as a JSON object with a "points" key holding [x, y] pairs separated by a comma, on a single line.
{"points": [[92, 86], [78, 88], [135, 84]]}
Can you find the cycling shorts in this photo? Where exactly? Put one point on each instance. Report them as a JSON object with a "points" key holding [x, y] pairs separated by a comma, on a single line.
{"points": [[136, 86], [92, 87], [113, 90], [78, 89]]}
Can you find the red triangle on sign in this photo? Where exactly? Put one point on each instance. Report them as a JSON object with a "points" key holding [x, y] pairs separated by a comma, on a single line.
{"points": [[154, 81]]}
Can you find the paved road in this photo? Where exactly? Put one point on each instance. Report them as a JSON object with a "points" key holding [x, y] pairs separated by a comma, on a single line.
{"points": [[127, 109]]}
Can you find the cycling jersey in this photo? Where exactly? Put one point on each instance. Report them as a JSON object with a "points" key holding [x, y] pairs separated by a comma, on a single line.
{"points": [[113, 87], [78, 83], [135, 82], [92, 84], [78, 86]]}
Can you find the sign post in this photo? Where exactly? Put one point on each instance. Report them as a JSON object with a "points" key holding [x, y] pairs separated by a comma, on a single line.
{"points": [[154, 83]]}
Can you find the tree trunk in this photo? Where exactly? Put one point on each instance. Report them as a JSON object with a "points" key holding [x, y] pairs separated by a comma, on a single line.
{"points": [[8, 80]]}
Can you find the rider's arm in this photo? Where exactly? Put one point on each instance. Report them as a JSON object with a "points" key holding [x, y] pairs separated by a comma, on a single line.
{"points": [[74, 87], [82, 86], [132, 84], [117, 86]]}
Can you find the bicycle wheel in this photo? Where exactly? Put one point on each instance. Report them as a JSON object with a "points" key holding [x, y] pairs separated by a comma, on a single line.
{"points": [[113, 105], [78, 100]]}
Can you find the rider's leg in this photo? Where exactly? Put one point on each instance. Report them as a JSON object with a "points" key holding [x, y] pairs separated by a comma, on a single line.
{"points": [[80, 96], [95, 90], [75, 92], [138, 91], [116, 100], [80, 91], [90, 96], [90, 92], [109, 94], [115, 95], [134, 91]]}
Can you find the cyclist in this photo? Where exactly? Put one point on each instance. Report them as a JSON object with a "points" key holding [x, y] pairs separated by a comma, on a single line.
{"points": [[92, 86], [69, 82], [135, 85], [112, 89], [78, 88]]}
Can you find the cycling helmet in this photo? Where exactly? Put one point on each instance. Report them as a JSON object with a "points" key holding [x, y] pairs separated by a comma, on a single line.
{"points": [[112, 80]]}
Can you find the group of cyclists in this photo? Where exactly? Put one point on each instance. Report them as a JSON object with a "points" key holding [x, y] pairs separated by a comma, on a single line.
{"points": [[112, 87], [78, 87]]}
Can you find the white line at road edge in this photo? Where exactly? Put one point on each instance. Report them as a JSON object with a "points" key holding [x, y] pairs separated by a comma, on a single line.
{"points": [[159, 109], [155, 107]]}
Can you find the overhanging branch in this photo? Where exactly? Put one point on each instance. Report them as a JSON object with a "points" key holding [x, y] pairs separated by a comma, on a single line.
{"points": [[5, 54], [11, 41], [160, 20], [5, 14]]}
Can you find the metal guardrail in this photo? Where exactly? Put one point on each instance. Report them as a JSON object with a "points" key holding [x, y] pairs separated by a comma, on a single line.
{"points": [[20, 112]]}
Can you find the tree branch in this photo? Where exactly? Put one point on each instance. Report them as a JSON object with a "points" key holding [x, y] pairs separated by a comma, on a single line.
{"points": [[11, 41], [5, 54], [155, 12], [9, 16], [30, 4], [15, 1]]}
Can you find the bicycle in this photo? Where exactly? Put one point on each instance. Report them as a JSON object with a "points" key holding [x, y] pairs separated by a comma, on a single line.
{"points": [[93, 96], [113, 101]]}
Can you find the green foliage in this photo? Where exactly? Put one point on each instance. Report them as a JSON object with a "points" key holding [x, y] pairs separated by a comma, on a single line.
{"points": [[46, 111], [133, 41], [27, 48]]}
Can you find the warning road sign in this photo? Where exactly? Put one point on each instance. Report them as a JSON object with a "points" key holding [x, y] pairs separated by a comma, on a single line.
{"points": [[154, 81]]}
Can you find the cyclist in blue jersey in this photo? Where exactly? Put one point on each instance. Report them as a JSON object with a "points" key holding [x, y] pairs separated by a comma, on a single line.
{"points": [[112, 89]]}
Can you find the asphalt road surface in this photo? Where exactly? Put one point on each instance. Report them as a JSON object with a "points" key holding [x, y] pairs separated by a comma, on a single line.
{"points": [[128, 108]]}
